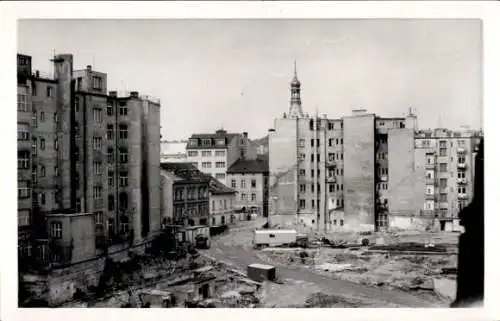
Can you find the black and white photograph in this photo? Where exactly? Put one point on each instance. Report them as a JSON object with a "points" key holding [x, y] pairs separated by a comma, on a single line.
{"points": [[250, 163]]}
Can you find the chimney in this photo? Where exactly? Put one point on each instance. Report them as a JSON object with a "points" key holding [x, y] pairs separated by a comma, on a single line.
{"points": [[245, 134], [89, 67], [37, 73], [134, 94], [113, 94]]}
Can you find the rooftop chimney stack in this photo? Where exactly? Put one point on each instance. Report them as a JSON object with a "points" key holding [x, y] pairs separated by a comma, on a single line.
{"points": [[89, 67]]}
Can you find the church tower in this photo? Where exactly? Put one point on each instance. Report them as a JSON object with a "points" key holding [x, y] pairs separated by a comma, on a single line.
{"points": [[295, 102]]}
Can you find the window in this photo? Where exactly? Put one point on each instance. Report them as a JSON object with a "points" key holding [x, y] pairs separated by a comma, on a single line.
{"points": [[111, 178], [110, 155], [461, 174], [22, 99], [443, 167], [233, 183], [123, 131], [254, 197], [312, 172], [123, 179], [220, 176], [56, 230], [123, 200], [42, 171], [243, 183], [206, 165], [312, 142], [206, 153], [23, 132], [220, 164], [56, 118], [302, 188], [97, 168], [110, 132], [243, 196], [443, 197], [97, 192], [42, 198], [253, 183], [302, 172], [42, 116], [302, 204], [23, 160], [461, 190], [123, 108], [77, 105], [109, 108], [123, 155], [192, 153], [312, 158], [97, 143], [443, 182], [56, 144], [96, 82], [461, 159], [97, 113], [207, 141], [312, 188], [193, 142], [34, 146], [49, 91], [99, 218], [23, 190], [312, 204], [23, 218], [220, 153]]}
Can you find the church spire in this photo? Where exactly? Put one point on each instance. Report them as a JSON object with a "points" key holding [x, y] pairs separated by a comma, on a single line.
{"points": [[295, 101]]}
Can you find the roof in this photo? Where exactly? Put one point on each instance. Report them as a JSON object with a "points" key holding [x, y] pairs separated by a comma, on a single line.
{"points": [[184, 171], [259, 165], [274, 231], [217, 188], [262, 266], [212, 136]]}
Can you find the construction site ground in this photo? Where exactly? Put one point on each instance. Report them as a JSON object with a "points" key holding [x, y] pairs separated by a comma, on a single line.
{"points": [[356, 276]]}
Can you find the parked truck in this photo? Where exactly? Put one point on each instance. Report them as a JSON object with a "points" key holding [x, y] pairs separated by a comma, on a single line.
{"points": [[266, 237], [197, 236]]}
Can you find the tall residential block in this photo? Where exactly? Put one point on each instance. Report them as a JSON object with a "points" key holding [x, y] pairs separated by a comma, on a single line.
{"points": [[363, 171], [85, 151]]}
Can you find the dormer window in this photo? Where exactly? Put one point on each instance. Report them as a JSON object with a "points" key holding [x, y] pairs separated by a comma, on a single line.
{"points": [[207, 141], [221, 142], [193, 142]]}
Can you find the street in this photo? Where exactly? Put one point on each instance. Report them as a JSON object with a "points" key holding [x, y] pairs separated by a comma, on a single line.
{"points": [[235, 249]]}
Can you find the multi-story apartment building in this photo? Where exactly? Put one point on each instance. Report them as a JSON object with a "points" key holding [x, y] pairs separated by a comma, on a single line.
{"points": [[343, 173], [213, 154], [185, 194], [250, 178], [90, 153], [173, 151]]}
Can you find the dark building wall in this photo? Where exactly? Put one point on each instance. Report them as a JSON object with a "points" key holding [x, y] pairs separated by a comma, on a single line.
{"points": [[359, 165]]}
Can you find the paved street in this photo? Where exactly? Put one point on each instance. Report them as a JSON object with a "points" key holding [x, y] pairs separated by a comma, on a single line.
{"points": [[235, 248]]}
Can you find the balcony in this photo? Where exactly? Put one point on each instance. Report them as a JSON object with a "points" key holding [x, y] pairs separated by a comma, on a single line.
{"points": [[331, 163], [460, 150], [331, 179], [462, 181], [429, 196], [430, 166], [462, 196], [461, 166], [383, 178]]}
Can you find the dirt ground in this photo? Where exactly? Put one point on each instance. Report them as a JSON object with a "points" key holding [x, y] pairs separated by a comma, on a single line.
{"points": [[412, 273]]}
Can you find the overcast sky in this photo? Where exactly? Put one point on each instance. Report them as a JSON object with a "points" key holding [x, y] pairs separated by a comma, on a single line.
{"points": [[236, 73]]}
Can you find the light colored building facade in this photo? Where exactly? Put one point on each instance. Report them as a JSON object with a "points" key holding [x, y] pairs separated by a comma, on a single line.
{"points": [[348, 173], [90, 152], [250, 178], [213, 154], [222, 200], [185, 195], [173, 151]]}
